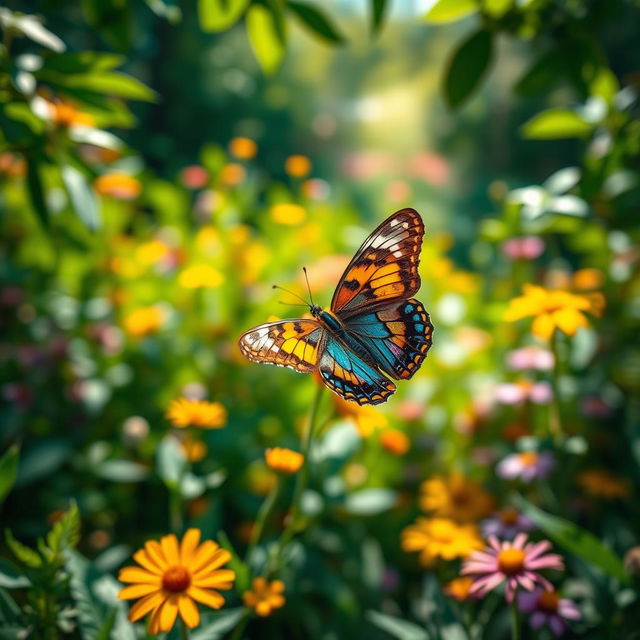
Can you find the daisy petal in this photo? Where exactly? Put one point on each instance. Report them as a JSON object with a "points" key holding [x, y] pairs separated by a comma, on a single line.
{"points": [[154, 551], [137, 591], [143, 606], [206, 597], [144, 560], [220, 579], [188, 611], [134, 574], [168, 613], [189, 545], [169, 546], [210, 562]]}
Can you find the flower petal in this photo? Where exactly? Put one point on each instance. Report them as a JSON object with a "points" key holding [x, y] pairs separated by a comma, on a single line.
{"points": [[135, 574], [188, 611], [189, 545], [137, 591], [205, 596], [543, 326], [143, 606], [210, 561], [170, 550], [168, 613], [220, 579], [144, 560], [154, 551]]}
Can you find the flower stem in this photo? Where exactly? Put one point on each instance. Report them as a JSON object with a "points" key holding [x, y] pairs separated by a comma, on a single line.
{"points": [[303, 477], [515, 621], [555, 422], [184, 630], [239, 630], [263, 515], [175, 510]]}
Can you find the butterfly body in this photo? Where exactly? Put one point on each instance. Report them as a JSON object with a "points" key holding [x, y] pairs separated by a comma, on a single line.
{"points": [[373, 331]]}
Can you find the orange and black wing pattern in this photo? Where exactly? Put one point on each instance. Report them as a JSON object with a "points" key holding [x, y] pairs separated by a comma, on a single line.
{"points": [[385, 268], [296, 344]]}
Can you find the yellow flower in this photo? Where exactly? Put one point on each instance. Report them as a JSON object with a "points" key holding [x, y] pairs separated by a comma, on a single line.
{"points": [[458, 588], [172, 578], [151, 252], [200, 276], [118, 185], [208, 239], [601, 483], [395, 441], [455, 497], [553, 309], [185, 412], [143, 321], [264, 596], [288, 213], [283, 460], [243, 148], [297, 166], [66, 115], [365, 418], [232, 174], [194, 450], [440, 538]]}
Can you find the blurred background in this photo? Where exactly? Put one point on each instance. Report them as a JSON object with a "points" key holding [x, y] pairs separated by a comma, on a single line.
{"points": [[163, 164]]}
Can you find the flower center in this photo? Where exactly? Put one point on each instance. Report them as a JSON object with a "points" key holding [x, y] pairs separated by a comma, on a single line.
{"points": [[460, 498], [511, 561], [528, 458], [509, 517], [176, 579], [548, 602]]}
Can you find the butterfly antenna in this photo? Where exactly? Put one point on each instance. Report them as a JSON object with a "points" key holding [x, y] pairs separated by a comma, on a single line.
{"points": [[306, 277], [295, 295]]}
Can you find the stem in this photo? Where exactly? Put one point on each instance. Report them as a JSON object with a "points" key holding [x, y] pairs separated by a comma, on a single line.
{"points": [[555, 422], [237, 632], [184, 630], [515, 621], [263, 515], [303, 476], [175, 510]]}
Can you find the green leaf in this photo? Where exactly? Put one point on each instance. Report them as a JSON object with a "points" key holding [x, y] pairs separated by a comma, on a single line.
{"points": [[83, 61], [368, 502], [109, 83], [235, 564], [467, 66], [576, 540], [266, 38], [220, 15], [396, 627], [497, 8], [316, 21], [25, 554], [11, 577], [65, 533], [36, 192], [8, 470], [10, 614], [42, 460], [121, 471], [30, 27], [378, 14], [556, 123], [450, 11], [171, 462], [215, 625], [83, 199]]}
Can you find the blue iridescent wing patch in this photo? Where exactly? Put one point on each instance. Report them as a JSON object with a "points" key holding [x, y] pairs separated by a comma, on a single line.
{"points": [[397, 337], [348, 375]]}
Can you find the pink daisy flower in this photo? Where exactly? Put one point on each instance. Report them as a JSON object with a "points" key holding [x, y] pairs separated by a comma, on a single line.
{"points": [[515, 563], [526, 465], [547, 608]]}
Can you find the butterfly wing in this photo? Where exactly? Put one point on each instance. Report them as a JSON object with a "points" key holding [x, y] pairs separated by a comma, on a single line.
{"points": [[296, 344], [348, 375], [385, 268], [397, 336]]}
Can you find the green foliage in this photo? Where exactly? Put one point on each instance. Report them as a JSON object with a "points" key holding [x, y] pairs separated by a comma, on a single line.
{"points": [[467, 67], [266, 32], [556, 123], [379, 10], [220, 15], [8, 470], [316, 21], [396, 627], [444, 11]]}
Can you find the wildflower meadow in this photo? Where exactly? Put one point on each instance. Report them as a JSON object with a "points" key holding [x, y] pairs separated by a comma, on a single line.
{"points": [[457, 453]]}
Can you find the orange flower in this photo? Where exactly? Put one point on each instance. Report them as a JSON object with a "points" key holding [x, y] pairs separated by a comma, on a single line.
{"points": [[365, 418], [143, 321], [288, 213], [553, 309], [12, 165], [458, 589], [185, 412], [264, 596], [232, 174], [118, 185], [601, 483], [66, 115], [297, 166], [454, 496], [395, 441], [171, 578], [243, 148], [283, 460], [194, 450]]}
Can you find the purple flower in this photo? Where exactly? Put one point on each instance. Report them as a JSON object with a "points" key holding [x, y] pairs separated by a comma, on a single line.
{"points": [[547, 608], [526, 465], [506, 524]]}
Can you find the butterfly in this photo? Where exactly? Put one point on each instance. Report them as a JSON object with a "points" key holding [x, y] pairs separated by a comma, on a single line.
{"points": [[374, 329]]}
